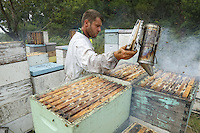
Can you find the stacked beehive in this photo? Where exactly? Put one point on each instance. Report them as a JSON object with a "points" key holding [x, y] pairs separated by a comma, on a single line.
{"points": [[37, 58], [47, 76], [41, 54], [164, 99], [38, 41], [61, 52], [15, 87], [51, 50], [37, 37], [44, 74]]}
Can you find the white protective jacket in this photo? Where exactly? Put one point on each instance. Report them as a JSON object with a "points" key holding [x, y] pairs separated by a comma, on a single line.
{"points": [[81, 58]]}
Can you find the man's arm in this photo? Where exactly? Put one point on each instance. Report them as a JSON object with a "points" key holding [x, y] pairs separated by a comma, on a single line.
{"points": [[90, 61], [122, 53]]}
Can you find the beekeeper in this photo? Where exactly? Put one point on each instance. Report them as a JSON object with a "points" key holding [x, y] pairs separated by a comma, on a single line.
{"points": [[81, 58]]}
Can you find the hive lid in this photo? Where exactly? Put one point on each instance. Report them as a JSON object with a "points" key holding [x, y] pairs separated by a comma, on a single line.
{"points": [[34, 46], [65, 47], [45, 68]]}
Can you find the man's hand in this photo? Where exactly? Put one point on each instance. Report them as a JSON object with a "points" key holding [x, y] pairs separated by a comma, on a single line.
{"points": [[122, 53]]}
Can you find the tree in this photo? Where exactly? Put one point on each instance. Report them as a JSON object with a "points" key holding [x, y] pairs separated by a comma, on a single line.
{"points": [[191, 11], [59, 16], [15, 13], [62, 15], [19, 16]]}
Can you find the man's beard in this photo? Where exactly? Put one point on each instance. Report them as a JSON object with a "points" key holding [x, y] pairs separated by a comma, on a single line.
{"points": [[89, 31]]}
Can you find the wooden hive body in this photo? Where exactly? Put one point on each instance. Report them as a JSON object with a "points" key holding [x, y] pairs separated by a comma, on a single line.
{"points": [[138, 128], [164, 99], [94, 103], [15, 87]]}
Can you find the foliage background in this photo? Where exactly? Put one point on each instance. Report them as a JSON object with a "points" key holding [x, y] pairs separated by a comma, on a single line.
{"points": [[59, 16]]}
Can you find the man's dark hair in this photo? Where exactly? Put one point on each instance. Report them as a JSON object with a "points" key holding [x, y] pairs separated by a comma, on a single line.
{"points": [[91, 15]]}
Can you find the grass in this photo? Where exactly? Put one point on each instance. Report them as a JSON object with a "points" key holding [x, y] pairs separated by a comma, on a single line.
{"points": [[194, 124]]}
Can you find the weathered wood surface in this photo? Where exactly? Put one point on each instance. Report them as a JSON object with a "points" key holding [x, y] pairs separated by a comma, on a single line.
{"points": [[166, 82], [61, 53], [15, 82], [35, 48], [24, 124], [60, 60], [48, 81], [37, 58], [51, 53], [164, 99], [15, 91], [138, 128], [35, 37], [14, 72], [11, 52], [168, 112], [50, 46], [14, 100]]}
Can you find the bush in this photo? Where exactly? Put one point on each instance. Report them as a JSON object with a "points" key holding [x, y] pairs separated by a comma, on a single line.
{"points": [[60, 41], [98, 43]]}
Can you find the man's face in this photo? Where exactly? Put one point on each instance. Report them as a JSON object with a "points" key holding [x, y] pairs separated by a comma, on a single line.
{"points": [[94, 28]]}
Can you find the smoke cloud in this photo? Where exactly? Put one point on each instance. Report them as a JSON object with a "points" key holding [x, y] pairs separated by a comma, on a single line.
{"points": [[180, 56]]}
